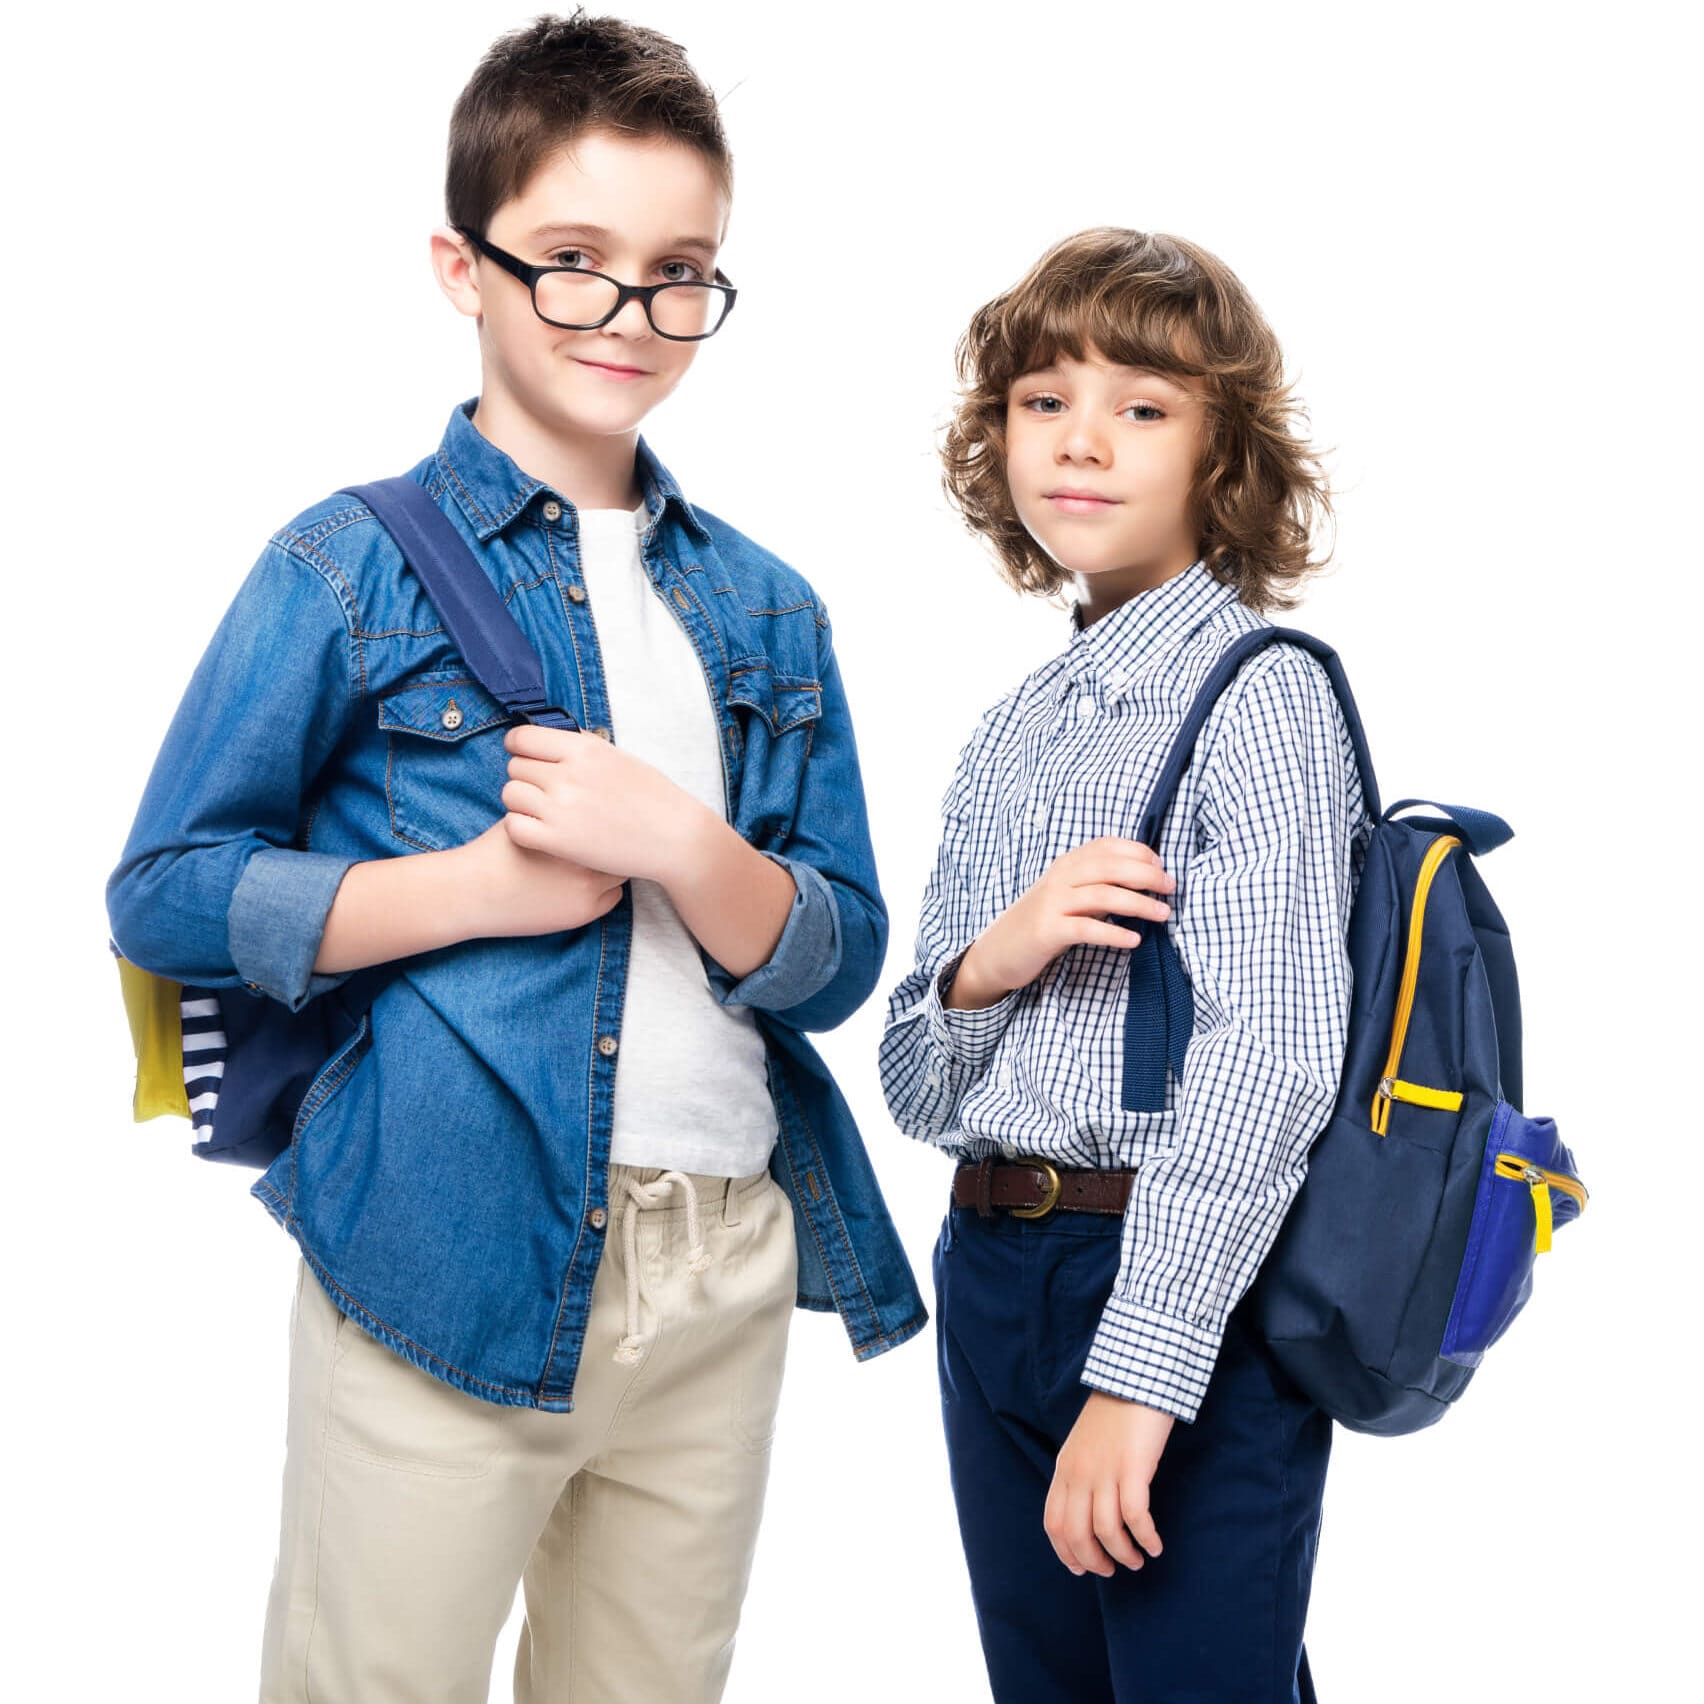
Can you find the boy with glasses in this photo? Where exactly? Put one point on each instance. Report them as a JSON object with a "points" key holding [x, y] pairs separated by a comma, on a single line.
{"points": [[558, 1195]]}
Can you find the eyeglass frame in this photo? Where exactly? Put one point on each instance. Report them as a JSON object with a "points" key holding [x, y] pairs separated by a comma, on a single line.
{"points": [[644, 294]]}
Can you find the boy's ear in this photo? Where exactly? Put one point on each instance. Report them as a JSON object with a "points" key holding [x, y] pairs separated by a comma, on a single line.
{"points": [[455, 265]]}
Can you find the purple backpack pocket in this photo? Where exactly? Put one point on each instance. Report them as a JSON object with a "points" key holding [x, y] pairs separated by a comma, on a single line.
{"points": [[1527, 1187]]}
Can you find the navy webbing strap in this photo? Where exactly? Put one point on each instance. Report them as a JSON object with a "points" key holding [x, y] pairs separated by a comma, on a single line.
{"points": [[1481, 831], [473, 612], [1160, 1012]]}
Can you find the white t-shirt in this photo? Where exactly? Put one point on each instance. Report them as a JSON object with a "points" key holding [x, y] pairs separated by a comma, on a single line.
{"points": [[691, 1080]]}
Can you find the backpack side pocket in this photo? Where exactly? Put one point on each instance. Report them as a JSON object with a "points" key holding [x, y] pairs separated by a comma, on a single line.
{"points": [[1527, 1187]]}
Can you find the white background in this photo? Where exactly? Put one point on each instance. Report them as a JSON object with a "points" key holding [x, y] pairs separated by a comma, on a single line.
{"points": [[1468, 225]]}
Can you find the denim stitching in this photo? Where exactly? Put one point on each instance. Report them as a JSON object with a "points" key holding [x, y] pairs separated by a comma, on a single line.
{"points": [[401, 1337], [454, 479], [580, 1229], [390, 798], [337, 582]]}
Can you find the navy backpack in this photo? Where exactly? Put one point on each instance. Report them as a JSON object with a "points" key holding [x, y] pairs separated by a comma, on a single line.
{"points": [[237, 1064], [1410, 1246]]}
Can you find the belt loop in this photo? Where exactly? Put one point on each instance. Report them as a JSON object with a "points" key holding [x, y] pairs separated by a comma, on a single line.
{"points": [[730, 1203], [985, 1188]]}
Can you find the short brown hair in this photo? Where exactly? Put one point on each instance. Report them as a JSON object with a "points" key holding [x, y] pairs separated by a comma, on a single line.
{"points": [[1146, 300], [541, 86]]}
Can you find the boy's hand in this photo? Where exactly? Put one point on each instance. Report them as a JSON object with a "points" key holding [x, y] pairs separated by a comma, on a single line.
{"points": [[578, 797], [1099, 1496], [516, 892], [1063, 909]]}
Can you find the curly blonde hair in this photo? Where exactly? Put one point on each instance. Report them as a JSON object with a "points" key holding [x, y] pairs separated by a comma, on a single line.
{"points": [[1142, 299]]}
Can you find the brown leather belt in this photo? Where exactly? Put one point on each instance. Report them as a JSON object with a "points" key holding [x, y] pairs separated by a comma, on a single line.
{"points": [[1032, 1189]]}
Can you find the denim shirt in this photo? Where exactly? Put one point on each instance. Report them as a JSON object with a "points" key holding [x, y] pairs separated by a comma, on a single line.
{"points": [[447, 1180]]}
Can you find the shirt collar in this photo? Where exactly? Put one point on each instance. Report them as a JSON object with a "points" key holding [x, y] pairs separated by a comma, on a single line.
{"points": [[1114, 650], [492, 490]]}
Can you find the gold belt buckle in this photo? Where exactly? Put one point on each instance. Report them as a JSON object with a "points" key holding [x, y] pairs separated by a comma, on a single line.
{"points": [[1048, 1202]]}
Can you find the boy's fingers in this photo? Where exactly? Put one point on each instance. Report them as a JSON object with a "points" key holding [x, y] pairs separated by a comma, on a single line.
{"points": [[1080, 1537], [1139, 1519], [1051, 1523], [1118, 843], [1130, 871], [522, 798], [1110, 1528], [528, 740], [532, 769], [527, 832], [1096, 897], [1090, 931]]}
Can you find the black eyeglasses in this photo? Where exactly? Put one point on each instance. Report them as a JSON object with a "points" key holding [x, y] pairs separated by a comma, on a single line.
{"points": [[573, 299]]}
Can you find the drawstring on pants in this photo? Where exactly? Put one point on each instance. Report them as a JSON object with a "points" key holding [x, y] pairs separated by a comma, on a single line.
{"points": [[654, 1194]]}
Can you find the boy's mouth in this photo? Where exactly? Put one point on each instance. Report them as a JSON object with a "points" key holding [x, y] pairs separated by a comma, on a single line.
{"points": [[1078, 502], [610, 367]]}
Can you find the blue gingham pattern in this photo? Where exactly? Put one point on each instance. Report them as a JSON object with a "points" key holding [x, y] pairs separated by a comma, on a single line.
{"points": [[1265, 839]]}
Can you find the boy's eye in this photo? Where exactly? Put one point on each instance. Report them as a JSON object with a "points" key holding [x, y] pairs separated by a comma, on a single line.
{"points": [[569, 257], [1044, 404], [1146, 411], [681, 272]]}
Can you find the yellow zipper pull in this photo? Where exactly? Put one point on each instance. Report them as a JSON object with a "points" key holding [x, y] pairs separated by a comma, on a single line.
{"points": [[1541, 1206]]}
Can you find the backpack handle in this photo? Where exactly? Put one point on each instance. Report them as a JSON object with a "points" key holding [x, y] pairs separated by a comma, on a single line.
{"points": [[470, 606], [1481, 831]]}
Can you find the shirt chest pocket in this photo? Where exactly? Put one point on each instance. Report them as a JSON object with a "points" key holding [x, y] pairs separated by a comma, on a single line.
{"points": [[445, 765], [774, 719]]}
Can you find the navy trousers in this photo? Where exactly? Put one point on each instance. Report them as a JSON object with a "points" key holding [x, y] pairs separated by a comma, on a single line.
{"points": [[1217, 1617]]}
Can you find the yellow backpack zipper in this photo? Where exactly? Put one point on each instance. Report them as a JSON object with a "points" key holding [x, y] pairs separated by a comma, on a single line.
{"points": [[1541, 1181], [1392, 1087]]}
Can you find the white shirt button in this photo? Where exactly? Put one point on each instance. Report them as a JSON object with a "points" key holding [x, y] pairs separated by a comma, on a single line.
{"points": [[553, 510], [1086, 707]]}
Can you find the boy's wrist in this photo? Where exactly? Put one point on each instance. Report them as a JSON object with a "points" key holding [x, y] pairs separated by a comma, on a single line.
{"points": [[971, 987], [692, 839]]}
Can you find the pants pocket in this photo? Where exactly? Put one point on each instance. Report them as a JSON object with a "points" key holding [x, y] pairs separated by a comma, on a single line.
{"points": [[762, 1317]]}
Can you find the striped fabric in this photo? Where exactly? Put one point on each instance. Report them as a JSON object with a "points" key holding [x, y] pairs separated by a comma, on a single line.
{"points": [[1265, 839], [203, 1058]]}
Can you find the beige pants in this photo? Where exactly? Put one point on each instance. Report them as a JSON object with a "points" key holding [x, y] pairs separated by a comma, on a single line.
{"points": [[412, 1510]]}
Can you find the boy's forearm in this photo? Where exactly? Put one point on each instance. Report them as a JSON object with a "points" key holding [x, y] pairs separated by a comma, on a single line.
{"points": [[732, 899], [392, 908]]}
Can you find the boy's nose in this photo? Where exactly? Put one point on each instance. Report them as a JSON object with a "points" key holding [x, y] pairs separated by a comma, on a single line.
{"points": [[631, 321], [1083, 445]]}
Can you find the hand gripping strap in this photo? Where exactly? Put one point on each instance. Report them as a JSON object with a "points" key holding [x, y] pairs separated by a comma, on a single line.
{"points": [[473, 611], [1160, 1013]]}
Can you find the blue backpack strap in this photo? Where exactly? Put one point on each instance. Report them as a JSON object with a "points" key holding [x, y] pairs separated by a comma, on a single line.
{"points": [[1160, 1014], [473, 611], [1480, 831]]}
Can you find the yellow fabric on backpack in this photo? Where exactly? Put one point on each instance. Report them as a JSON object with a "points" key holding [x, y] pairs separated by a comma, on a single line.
{"points": [[156, 1031]]}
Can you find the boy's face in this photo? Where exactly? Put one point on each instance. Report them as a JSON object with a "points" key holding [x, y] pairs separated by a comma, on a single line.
{"points": [[1101, 463], [645, 211]]}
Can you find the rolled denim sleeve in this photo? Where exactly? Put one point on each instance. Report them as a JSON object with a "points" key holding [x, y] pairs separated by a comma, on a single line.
{"points": [[277, 921], [807, 955], [211, 888], [830, 953]]}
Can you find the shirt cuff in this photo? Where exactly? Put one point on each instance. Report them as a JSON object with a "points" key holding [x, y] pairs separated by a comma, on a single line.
{"points": [[967, 1036], [1152, 1358], [806, 957], [277, 921]]}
